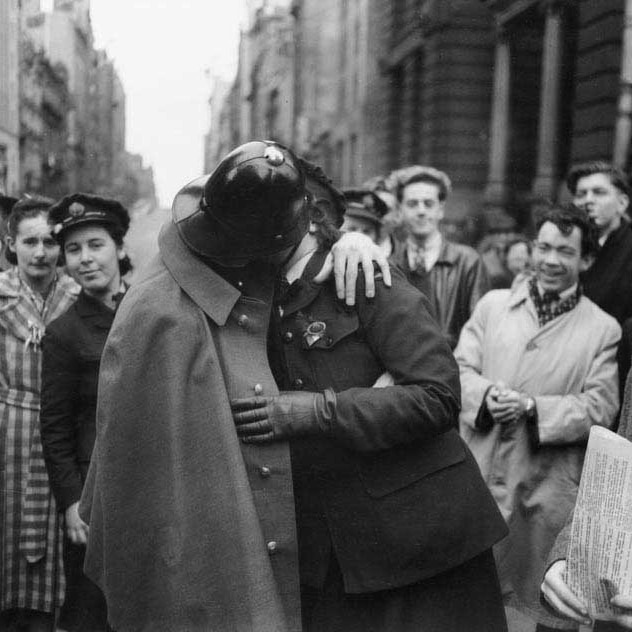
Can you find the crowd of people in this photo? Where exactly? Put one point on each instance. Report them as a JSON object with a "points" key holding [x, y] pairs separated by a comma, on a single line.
{"points": [[313, 411]]}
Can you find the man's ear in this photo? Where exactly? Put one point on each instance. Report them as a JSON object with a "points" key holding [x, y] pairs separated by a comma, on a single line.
{"points": [[10, 243], [624, 201]]}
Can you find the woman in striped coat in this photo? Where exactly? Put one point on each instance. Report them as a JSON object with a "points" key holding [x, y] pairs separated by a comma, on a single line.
{"points": [[31, 295]]}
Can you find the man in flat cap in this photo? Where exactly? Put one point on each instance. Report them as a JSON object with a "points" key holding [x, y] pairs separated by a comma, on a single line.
{"points": [[189, 528], [451, 275]]}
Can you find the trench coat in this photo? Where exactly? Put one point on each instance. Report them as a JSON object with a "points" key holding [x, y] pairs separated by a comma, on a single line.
{"points": [[189, 528], [533, 471], [30, 533]]}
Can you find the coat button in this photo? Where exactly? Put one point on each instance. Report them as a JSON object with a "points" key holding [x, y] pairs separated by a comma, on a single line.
{"points": [[531, 346], [242, 321], [272, 547], [264, 471], [258, 389], [298, 383], [288, 336]]}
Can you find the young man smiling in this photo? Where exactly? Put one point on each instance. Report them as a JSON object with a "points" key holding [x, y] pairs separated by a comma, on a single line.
{"points": [[452, 276], [538, 369]]}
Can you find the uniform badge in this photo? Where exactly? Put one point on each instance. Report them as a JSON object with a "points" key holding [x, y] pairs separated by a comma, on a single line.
{"points": [[274, 156], [76, 209], [314, 332]]}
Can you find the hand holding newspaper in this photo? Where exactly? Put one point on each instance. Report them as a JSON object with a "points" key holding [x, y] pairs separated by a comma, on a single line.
{"points": [[599, 563]]}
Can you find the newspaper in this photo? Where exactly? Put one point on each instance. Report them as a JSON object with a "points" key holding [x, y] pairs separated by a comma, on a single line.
{"points": [[599, 563]]}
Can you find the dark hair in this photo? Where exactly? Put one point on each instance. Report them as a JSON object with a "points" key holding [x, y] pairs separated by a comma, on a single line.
{"points": [[116, 232], [617, 177], [26, 207], [566, 217], [327, 224]]}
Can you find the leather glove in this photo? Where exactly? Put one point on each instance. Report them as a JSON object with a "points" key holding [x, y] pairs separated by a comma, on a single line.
{"points": [[289, 414]]}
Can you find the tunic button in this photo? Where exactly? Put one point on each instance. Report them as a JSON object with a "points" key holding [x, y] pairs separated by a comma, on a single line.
{"points": [[264, 471], [272, 547], [258, 389], [242, 321], [288, 336], [298, 383]]}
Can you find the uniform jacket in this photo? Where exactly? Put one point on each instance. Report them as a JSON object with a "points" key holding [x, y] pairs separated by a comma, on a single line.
{"points": [[569, 367], [71, 356], [189, 529], [394, 489], [454, 285]]}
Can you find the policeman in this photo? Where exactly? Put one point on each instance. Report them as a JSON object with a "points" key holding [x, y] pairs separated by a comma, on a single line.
{"points": [[189, 528]]}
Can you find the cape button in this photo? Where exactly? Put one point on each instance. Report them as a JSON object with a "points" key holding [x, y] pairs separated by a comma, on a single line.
{"points": [[288, 336], [242, 321], [272, 547], [265, 471], [258, 389], [298, 383]]}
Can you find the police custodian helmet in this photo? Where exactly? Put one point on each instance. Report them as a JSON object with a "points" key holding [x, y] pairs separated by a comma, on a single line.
{"points": [[252, 206]]}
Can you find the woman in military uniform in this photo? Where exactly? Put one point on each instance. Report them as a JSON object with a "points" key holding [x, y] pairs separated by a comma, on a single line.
{"points": [[395, 524], [90, 230]]}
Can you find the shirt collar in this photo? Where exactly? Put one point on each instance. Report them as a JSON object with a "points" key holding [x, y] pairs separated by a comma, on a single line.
{"points": [[432, 250]]}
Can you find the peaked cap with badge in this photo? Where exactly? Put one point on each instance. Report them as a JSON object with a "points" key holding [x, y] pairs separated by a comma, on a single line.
{"points": [[365, 204], [253, 205], [81, 208]]}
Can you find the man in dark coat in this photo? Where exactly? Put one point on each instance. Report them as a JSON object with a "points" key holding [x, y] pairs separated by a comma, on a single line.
{"points": [[395, 524], [189, 528], [603, 191]]}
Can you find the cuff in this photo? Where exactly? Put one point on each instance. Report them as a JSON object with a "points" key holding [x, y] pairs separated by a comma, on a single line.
{"points": [[484, 420], [533, 431]]}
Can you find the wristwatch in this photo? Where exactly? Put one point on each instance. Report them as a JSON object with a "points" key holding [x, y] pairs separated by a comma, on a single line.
{"points": [[529, 408]]}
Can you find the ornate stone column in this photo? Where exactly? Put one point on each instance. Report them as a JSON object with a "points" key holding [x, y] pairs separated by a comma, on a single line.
{"points": [[496, 190], [545, 182]]}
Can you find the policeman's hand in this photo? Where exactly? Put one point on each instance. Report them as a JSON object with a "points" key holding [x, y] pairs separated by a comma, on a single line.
{"points": [[559, 595], [76, 528], [351, 250], [289, 414], [624, 603]]}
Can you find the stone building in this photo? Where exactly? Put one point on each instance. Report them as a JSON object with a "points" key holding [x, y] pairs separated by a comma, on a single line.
{"points": [[213, 138], [503, 95], [107, 124], [561, 95], [44, 109], [9, 97]]}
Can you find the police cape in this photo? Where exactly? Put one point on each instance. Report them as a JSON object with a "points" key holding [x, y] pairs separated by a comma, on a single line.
{"points": [[189, 529]]}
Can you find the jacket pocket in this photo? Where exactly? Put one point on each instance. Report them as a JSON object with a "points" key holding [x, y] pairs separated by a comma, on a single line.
{"points": [[397, 468]]}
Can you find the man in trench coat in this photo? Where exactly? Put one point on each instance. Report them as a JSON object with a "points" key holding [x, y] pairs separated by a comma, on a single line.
{"points": [[189, 528], [538, 369]]}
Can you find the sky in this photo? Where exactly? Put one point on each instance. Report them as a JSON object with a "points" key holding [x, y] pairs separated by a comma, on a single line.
{"points": [[166, 53]]}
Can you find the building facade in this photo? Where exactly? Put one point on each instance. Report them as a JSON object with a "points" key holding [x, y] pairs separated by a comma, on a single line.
{"points": [[9, 97]]}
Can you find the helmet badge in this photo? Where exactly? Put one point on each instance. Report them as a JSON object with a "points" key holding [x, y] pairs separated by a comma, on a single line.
{"points": [[274, 156], [76, 209]]}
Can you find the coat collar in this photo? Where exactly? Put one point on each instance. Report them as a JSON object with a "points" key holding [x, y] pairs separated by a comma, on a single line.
{"points": [[448, 255], [206, 288]]}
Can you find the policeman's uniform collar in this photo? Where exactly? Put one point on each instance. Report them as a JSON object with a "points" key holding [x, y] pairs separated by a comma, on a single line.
{"points": [[209, 291]]}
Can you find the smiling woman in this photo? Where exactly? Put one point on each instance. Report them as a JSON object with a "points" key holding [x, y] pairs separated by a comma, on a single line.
{"points": [[90, 230]]}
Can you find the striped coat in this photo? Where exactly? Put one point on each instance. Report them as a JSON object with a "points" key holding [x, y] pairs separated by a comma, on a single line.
{"points": [[31, 573]]}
